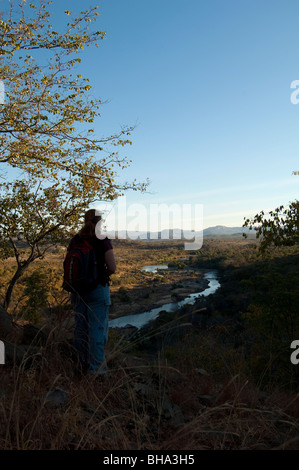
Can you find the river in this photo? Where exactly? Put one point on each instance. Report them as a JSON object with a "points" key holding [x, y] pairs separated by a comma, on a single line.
{"points": [[140, 319]]}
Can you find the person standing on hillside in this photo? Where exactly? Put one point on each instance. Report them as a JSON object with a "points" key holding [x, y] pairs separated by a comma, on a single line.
{"points": [[92, 309]]}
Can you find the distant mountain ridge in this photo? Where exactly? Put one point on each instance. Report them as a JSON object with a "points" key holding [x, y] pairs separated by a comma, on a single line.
{"points": [[178, 234], [223, 230]]}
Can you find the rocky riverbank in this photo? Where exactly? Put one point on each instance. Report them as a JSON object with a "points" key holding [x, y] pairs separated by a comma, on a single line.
{"points": [[172, 286]]}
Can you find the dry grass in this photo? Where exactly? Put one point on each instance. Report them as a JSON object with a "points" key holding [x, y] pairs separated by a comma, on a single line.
{"points": [[140, 405]]}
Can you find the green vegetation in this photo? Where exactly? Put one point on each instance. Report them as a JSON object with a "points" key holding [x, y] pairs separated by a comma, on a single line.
{"points": [[279, 228], [124, 295]]}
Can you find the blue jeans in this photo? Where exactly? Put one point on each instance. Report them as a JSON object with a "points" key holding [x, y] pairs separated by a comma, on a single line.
{"points": [[91, 327]]}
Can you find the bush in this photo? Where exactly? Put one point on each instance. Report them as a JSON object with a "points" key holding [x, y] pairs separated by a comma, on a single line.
{"points": [[36, 291], [124, 295]]}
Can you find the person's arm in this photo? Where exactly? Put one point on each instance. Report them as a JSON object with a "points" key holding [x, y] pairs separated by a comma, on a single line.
{"points": [[110, 261]]}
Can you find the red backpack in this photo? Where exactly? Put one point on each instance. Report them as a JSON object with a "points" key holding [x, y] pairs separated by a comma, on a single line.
{"points": [[80, 267]]}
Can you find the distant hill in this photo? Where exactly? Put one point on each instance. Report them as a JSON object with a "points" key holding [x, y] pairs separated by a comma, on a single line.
{"points": [[177, 234], [223, 230]]}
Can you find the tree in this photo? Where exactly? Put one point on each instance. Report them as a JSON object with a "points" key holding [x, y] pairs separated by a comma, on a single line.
{"points": [[279, 228], [45, 122], [33, 218], [46, 130]]}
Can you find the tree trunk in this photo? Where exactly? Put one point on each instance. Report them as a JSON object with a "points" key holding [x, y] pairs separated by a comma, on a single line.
{"points": [[17, 275], [5, 323]]}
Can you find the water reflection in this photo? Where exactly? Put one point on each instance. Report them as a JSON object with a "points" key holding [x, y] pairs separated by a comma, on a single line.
{"points": [[140, 319], [154, 268]]}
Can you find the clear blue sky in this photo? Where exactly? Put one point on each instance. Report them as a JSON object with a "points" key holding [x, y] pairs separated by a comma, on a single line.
{"points": [[208, 84]]}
